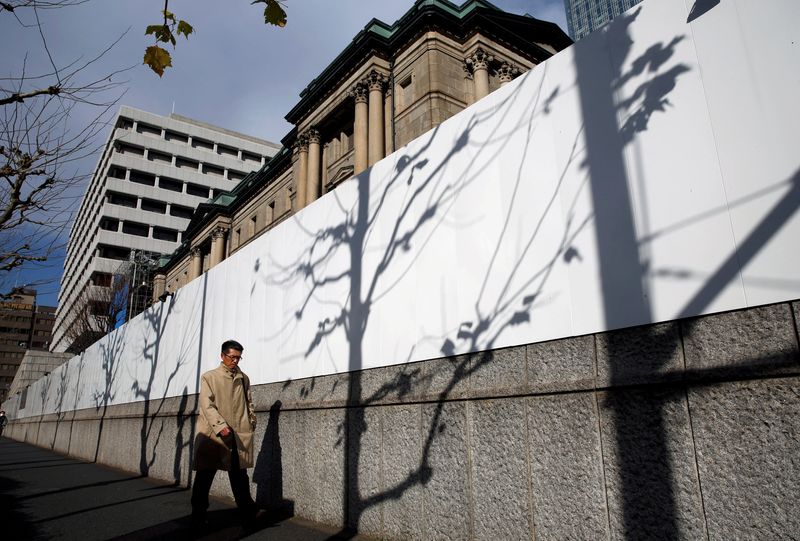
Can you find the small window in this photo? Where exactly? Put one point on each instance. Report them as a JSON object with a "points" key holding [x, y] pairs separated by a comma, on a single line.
{"points": [[116, 172], [209, 169], [227, 151], [170, 184], [124, 123], [137, 229], [237, 237], [151, 205], [196, 190], [202, 144], [109, 224], [235, 175], [124, 148], [180, 211], [155, 156], [162, 233], [270, 212], [183, 163], [113, 252], [102, 279], [250, 157], [175, 136], [143, 178], [122, 200], [147, 129], [251, 227]]}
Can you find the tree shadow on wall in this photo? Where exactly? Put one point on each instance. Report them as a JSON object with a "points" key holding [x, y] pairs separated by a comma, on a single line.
{"points": [[427, 189]]}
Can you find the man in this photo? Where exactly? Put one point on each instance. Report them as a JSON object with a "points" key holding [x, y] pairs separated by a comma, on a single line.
{"points": [[3, 422], [224, 435]]}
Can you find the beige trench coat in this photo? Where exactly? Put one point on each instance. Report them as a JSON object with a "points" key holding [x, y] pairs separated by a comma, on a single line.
{"points": [[225, 400]]}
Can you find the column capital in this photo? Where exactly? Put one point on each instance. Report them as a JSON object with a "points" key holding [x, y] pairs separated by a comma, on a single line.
{"points": [[479, 60], [375, 80], [301, 143], [507, 71], [312, 135], [359, 92], [195, 252], [218, 232]]}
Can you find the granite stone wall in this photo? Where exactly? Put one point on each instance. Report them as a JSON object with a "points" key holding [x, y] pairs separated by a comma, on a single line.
{"points": [[680, 430]]}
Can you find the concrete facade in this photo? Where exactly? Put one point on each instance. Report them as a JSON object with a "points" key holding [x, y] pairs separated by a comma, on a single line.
{"points": [[528, 442], [586, 16], [24, 326], [153, 173]]}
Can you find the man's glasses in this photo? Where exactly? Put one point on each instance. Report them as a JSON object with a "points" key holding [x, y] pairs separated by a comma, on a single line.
{"points": [[233, 357]]}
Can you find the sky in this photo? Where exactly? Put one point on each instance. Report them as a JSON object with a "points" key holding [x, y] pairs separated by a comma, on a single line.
{"points": [[233, 71]]}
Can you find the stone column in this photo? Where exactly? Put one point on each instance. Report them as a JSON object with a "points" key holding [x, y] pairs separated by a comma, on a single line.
{"points": [[506, 73], [314, 166], [360, 141], [326, 157], [159, 285], [217, 246], [301, 147], [478, 62], [377, 145], [195, 264]]}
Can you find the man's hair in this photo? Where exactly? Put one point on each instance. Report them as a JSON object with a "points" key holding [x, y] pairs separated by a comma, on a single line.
{"points": [[231, 344]]}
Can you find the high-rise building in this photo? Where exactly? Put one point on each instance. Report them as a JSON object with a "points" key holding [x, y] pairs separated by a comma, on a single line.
{"points": [[23, 325], [153, 173], [585, 16]]}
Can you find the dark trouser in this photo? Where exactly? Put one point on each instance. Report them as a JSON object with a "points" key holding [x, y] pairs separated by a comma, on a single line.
{"points": [[240, 486]]}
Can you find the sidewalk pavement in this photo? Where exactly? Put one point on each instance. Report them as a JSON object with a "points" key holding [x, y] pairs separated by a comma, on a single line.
{"points": [[44, 495]]}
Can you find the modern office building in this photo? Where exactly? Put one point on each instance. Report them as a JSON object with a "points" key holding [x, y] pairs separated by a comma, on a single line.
{"points": [[585, 16], [23, 326], [390, 85], [153, 173]]}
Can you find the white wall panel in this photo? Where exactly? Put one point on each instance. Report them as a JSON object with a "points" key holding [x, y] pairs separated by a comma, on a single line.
{"points": [[647, 173]]}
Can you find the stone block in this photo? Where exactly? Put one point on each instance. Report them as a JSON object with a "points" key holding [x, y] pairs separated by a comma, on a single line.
{"points": [[647, 354], [391, 384], [329, 427], [652, 484], [404, 472], [446, 494], [83, 441], [758, 341], [63, 431], [272, 446], [561, 365], [748, 439], [446, 378], [45, 436], [796, 311], [500, 470], [499, 372], [364, 467], [569, 495], [305, 465]]}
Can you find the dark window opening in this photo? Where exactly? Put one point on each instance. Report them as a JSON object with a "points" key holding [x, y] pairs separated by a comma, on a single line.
{"points": [[187, 164], [202, 143], [180, 211], [151, 205], [227, 151], [140, 177], [155, 156], [122, 200], [196, 190], [161, 233], [134, 228], [175, 136], [170, 184], [213, 170], [109, 224], [116, 172]]}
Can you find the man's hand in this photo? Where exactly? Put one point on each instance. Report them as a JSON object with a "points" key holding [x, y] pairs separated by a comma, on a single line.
{"points": [[227, 437]]}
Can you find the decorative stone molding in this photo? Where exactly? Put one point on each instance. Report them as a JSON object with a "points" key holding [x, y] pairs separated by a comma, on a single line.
{"points": [[507, 72], [479, 60], [218, 232], [301, 144], [359, 92], [375, 80], [312, 136]]}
